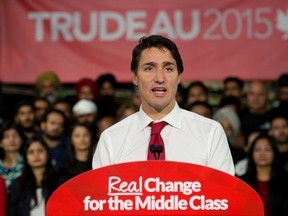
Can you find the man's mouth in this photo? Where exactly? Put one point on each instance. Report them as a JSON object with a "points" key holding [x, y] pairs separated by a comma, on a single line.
{"points": [[159, 89]]}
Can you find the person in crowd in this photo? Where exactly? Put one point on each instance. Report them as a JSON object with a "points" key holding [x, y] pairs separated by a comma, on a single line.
{"points": [[31, 190], [157, 69], [231, 124], [201, 108], [282, 96], [86, 111], [125, 110], [41, 106], [65, 106], [80, 151], [3, 197], [256, 115], [196, 91], [47, 85], [107, 104], [241, 165], [279, 132], [103, 123], [180, 95], [54, 135], [232, 102], [86, 89], [136, 99], [25, 119], [266, 176], [11, 160], [233, 86]]}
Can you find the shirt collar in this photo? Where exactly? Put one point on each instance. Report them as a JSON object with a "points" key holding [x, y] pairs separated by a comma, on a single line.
{"points": [[173, 118]]}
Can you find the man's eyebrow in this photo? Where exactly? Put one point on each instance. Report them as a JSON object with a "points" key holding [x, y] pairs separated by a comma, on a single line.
{"points": [[167, 63], [164, 63], [149, 64]]}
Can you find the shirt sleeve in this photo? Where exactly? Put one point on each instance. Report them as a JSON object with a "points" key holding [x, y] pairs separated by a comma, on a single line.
{"points": [[104, 152], [219, 155]]}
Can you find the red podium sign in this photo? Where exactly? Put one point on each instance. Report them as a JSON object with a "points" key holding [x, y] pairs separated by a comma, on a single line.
{"points": [[154, 188]]}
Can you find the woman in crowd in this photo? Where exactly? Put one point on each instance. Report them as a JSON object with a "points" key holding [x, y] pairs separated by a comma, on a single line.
{"points": [[266, 176], [125, 110], [30, 191], [80, 151], [196, 91], [11, 160]]}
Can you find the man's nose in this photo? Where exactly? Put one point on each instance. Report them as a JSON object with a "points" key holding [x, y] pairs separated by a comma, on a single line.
{"points": [[159, 75]]}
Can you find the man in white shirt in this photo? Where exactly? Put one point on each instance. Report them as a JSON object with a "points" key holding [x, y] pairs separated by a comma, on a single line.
{"points": [[157, 69]]}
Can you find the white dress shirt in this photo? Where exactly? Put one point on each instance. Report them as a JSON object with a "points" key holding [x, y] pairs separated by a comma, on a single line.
{"points": [[188, 137]]}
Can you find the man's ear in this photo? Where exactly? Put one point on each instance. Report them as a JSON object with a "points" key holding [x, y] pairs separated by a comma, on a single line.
{"points": [[135, 79], [179, 78]]}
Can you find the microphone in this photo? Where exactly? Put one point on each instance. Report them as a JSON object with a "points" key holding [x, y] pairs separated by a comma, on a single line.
{"points": [[159, 150], [153, 149]]}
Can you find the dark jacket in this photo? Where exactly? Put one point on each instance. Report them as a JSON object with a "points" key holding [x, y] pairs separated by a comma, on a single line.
{"points": [[22, 207], [278, 193]]}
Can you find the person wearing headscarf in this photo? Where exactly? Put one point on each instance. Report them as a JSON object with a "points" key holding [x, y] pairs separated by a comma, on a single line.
{"points": [[232, 127], [86, 89], [47, 85]]}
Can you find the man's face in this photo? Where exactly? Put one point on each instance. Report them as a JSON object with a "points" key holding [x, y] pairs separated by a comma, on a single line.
{"points": [[196, 93], [257, 97], [232, 89], [41, 106], [25, 117], [48, 87], [106, 89], [86, 93], [54, 126], [283, 94], [88, 119], [157, 79], [279, 130]]}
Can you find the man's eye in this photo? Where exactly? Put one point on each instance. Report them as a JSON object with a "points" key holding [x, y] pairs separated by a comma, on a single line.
{"points": [[169, 69], [148, 69]]}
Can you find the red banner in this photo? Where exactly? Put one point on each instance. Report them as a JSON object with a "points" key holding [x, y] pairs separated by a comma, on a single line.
{"points": [[85, 38], [155, 188]]}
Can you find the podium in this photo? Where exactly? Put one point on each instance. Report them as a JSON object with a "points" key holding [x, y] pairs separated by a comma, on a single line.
{"points": [[154, 188]]}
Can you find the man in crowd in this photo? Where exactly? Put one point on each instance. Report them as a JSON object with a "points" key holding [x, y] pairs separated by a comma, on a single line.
{"points": [[53, 133]]}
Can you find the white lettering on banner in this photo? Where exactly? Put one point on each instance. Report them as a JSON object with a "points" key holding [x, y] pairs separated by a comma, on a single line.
{"points": [[77, 28], [61, 22], [111, 36], [251, 23], [132, 26], [118, 187], [165, 196], [156, 185], [150, 203], [254, 18], [39, 23], [93, 205], [207, 204]]}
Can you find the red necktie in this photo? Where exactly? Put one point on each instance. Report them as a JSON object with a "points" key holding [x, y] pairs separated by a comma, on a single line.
{"points": [[156, 148]]}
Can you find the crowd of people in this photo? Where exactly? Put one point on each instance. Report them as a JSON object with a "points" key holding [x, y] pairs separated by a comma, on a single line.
{"points": [[51, 139]]}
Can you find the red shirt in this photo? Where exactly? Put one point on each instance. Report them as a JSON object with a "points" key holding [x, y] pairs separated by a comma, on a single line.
{"points": [[263, 191]]}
